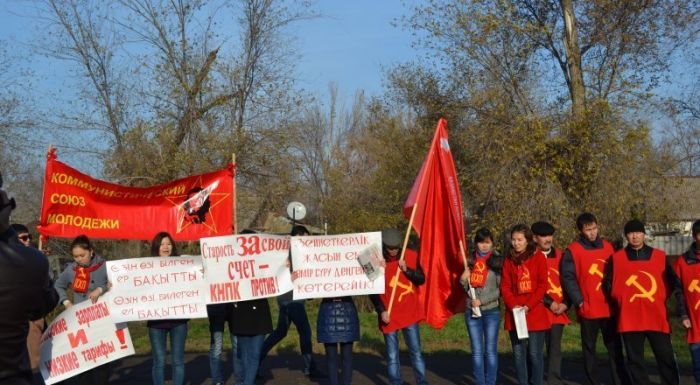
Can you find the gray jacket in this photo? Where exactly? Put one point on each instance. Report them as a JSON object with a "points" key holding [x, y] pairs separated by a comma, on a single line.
{"points": [[98, 278], [489, 294]]}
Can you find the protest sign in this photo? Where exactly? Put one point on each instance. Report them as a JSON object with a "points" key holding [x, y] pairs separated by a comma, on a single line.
{"points": [[246, 266], [189, 208], [328, 266], [157, 288], [81, 338]]}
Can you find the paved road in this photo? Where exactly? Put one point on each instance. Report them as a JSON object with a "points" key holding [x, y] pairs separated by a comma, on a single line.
{"points": [[286, 368]]}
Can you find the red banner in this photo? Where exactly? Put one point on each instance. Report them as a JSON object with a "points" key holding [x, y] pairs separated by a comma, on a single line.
{"points": [[438, 222], [191, 208]]}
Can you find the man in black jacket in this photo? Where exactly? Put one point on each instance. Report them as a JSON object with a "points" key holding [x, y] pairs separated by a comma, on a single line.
{"points": [[26, 293]]}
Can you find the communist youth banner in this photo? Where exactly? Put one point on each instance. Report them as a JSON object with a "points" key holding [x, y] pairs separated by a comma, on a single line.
{"points": [[245, 266], [155, 288], [81, 338], [189, 209], [327, 266]]}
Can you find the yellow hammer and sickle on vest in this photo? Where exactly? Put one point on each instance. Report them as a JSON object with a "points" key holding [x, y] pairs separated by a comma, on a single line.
{"points": [[81, 273], [480, 267], [643, 292], [554, 289], [594, 270], [694, 288], [407, 288]]}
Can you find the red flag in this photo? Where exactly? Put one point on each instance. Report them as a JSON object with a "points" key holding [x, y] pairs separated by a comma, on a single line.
{"points": [[439, 224], [189, 209]]}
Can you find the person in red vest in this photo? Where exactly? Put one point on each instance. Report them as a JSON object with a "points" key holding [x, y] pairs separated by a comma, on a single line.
{"points": [[523, 286], [554, 300], [582, 268], [639, 280], [687, 268], [406, 311]]}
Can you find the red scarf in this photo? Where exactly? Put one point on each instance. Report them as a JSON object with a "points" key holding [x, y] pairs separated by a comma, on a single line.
{"points": [[81, 282], [479, 271], [524, 280]]}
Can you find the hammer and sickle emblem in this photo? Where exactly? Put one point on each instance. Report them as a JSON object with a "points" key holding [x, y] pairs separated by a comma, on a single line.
{"points": [[407, 288], [81, 273], [480, 267], [594, 270], [695, 288], [526, 273], [643, 292], [554, 289]]}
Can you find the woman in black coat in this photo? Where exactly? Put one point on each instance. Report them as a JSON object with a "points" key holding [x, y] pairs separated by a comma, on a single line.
{"points": [[338, 327]]}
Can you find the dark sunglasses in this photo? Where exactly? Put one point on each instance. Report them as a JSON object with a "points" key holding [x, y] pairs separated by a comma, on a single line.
{"points": [[24, 237]]}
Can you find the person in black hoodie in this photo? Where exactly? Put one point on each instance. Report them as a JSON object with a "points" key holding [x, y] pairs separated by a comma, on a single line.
{"points": [[26, 293]]}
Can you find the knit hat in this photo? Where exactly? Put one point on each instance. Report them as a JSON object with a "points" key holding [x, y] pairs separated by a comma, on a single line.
{"points": [[542, 228], [634, 226], [391, 238]]}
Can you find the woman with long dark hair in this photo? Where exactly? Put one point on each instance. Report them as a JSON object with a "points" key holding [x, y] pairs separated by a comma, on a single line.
{"points": [[164, 246], [523, 286]]}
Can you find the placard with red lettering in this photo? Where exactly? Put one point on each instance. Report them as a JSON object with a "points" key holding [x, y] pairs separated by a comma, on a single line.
{"points": [[245, 266], [327, 266], [157, 288], [83, 337]]}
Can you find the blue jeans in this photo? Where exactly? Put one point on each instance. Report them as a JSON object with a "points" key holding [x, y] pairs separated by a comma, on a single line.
{"points": [[483, 336], [158, 338], [695, 355], [217, 319], [291, 312], [529, 353], [411, 336], [249, 348]]}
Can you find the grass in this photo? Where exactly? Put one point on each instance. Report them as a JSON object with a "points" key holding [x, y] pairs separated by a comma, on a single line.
{"points": [[452, 338]]}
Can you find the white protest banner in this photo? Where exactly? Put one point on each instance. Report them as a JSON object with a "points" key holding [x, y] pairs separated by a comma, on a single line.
{"points": [[328, 266], [156, 288], [245, 266], [83, 337]]}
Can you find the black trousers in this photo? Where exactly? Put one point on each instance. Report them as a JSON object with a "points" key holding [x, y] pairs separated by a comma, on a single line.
{"points": [[663, 352], [613, 342], [552, 339]]}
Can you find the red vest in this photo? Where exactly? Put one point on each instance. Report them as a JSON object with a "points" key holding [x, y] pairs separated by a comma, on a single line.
{"points": [[406, 309], [554, 289], [590, 265], [639, 289], [480, 271], [690, 278]]}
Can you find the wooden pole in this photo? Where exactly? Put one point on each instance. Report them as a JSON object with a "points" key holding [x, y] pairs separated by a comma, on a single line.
{"points": [[235, 212], [403, 253]]}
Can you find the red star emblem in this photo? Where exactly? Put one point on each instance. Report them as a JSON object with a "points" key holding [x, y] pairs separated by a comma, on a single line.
{"points": [[207, 192]]}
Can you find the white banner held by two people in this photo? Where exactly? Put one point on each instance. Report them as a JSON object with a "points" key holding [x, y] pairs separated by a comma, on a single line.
{"points": [[81, 338], [157, 288], [245, 266], [328, 266]]}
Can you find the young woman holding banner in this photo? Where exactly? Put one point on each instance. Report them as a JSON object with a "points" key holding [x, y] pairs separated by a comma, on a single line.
{"points": [[484, 275], [164, 246], [87, 277], [523, 286]]}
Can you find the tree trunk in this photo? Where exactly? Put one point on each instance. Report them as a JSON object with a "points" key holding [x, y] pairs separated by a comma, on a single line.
{"points": [[573, 59]]}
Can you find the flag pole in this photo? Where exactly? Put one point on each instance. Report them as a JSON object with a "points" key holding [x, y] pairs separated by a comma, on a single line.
{"points": [[395, 279], [235, 212], [408, 230], [41, 243], [472, 293]]}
